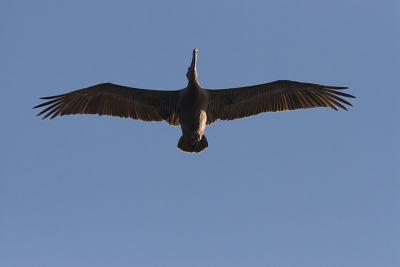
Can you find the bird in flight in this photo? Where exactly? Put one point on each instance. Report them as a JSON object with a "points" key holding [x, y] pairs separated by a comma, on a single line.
{"points": [[193, 107]]}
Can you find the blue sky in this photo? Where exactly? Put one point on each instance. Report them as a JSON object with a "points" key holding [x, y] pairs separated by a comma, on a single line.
{"points": [[303, 188]]}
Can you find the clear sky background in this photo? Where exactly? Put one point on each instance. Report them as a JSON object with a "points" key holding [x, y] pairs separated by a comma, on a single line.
{"points": [[303, 188]]}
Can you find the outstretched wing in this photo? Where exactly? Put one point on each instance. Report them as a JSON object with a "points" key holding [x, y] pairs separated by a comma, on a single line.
{"points": [[282, 95], [115, 100]]}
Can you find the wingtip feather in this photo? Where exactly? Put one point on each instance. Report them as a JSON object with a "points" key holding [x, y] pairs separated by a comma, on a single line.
{"points": [[53, 96]]}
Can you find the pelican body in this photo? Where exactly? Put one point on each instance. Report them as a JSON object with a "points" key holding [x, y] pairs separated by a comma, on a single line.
{"points": [[193, 107], [192, 112]]}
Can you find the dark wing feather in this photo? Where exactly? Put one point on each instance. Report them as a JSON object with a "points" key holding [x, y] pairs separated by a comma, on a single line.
{"points": [[115, 100], [230, 104]]}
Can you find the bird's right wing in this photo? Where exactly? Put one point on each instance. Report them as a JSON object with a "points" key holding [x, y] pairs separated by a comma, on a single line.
{"points": [[282, 95], [115, 100]]}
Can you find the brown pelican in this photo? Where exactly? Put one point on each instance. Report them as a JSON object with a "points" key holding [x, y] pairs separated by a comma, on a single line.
{"points": [[193, 107]]}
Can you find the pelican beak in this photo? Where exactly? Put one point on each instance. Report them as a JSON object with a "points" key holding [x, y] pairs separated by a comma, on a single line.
{"points": [[193, 65]]}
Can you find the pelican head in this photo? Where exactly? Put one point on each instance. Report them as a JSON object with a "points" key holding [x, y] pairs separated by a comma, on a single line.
{"points": [[192, 70]]}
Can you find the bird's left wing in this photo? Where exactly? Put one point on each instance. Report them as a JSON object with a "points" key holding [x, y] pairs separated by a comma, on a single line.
{"points": [[282, 95], [115, 100]]}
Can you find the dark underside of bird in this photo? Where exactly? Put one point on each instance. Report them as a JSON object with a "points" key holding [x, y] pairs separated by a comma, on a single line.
{"points": [[193, 107]]}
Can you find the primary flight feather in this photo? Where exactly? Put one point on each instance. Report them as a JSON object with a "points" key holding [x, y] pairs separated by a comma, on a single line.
{"points": [[194, 107]]}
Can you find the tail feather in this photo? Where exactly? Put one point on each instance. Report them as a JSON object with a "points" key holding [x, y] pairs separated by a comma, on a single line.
{"points": [[186, 145]]}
